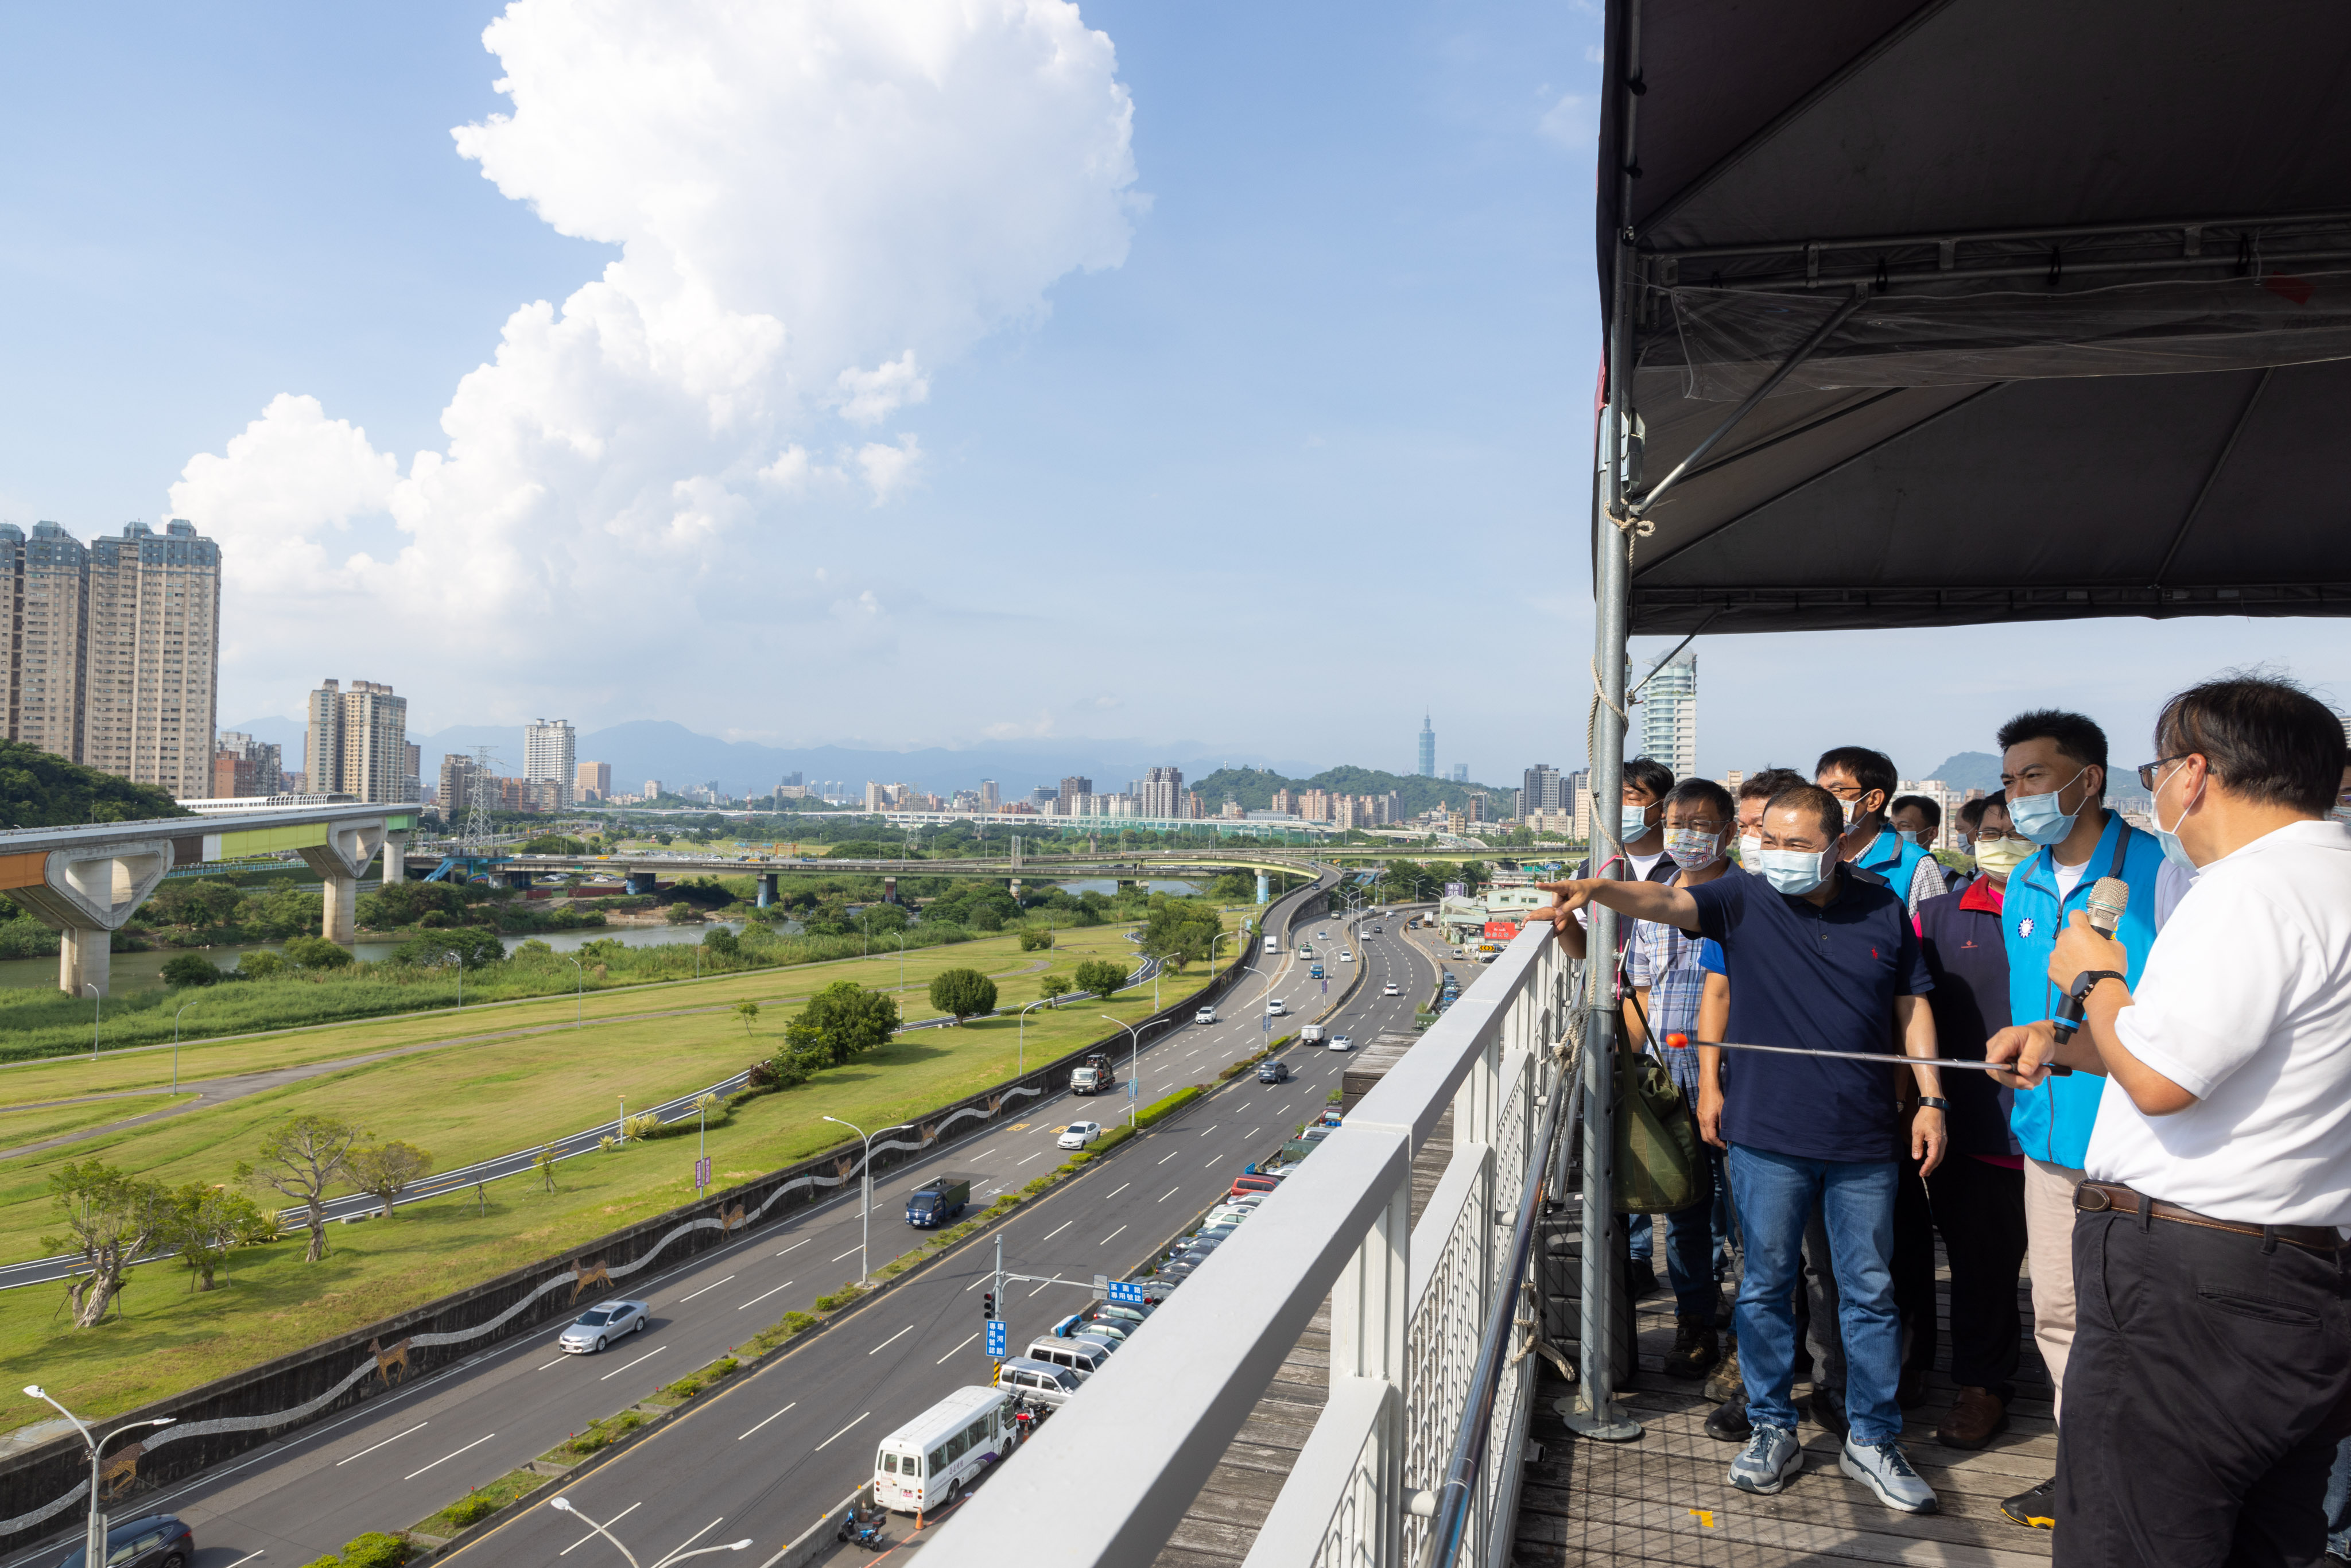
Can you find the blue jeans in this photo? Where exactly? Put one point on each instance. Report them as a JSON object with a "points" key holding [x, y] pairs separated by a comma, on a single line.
{"points": [[2338, 1502], [1775, 1195], [1695, 1240]]}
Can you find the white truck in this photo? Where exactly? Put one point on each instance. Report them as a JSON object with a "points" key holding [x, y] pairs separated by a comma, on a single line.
{"points": [[1311, 1034], [1094, 1075]]}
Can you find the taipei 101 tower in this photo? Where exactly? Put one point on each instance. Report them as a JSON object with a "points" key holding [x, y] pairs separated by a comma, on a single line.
{"points": [[1428, 768]]}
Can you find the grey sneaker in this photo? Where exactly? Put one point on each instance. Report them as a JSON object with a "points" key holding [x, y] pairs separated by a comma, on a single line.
{"points": [[1881, 1467], [1772, 1458]]}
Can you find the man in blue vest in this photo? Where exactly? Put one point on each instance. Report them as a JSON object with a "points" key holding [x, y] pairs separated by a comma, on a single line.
{"points": [[1863, 781], [2052, 768]]}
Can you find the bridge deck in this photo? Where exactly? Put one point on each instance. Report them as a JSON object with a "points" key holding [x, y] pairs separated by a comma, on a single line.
{"points": [[1663, 1499]]}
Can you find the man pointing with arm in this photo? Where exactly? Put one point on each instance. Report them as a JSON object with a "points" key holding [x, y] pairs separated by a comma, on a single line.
{"points": [[1822, 955]]}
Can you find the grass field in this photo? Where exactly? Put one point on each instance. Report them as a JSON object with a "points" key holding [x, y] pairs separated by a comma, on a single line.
{"points": [[464, 1103], [31, 1124]]}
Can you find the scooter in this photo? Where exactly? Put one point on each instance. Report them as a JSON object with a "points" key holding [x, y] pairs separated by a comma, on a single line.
{"points": [[862, 1526]]}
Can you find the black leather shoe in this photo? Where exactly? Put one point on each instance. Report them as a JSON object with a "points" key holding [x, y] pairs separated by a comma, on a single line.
{"points": [[1911, 1391], [1695, 1349], [1727, 1422], [1827, 1405], [1640, 1280], [2035, 1510]]}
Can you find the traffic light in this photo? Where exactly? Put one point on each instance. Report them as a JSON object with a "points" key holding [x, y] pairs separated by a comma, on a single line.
{"points": [[987, 1305]]}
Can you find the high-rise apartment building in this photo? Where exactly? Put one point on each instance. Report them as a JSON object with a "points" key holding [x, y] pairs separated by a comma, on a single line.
{"points": [[1542, 790], [652, 789], [988, 799], [112, 650], [1461, 773], [461, 778], [357, 744], [1072, 787], [1669, 714], [244, 767], [1162, 794], [548, 755], [1426, 768], [593, 782]]}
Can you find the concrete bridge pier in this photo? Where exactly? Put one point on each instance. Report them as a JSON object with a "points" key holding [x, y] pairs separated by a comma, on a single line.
{"points": [[84, 895], [643, 882], [518, 878], [767, 888], [340, 861], [395, 857]]}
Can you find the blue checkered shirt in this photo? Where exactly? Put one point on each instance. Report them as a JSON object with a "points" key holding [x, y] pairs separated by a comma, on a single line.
{"points": [[1666, 961]]}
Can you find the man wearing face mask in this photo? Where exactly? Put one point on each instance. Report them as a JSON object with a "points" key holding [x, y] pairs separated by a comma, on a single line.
{"points": [[2054, 773], [1863, 781], [1970, 822], [1666, 978], [1821, 956], [2210, 1379]]}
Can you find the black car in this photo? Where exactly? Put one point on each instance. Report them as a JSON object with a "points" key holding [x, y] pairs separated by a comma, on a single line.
{"points": [[1274, 1072], [158, 1541]]}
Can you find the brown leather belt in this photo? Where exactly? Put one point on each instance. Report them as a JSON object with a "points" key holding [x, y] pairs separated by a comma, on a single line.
{"points": [[2098, 1196]]}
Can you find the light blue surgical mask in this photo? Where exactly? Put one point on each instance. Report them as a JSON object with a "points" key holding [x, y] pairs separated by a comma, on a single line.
{"points": [[2038, 818], [2173, 850], [1793, 871], [1633, 822]]}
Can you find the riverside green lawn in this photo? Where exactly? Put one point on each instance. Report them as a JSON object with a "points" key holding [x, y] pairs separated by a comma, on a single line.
{"points": [[467, 1102]]}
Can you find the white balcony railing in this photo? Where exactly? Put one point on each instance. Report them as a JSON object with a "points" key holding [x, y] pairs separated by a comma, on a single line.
{"points": [[1109, 1477]]}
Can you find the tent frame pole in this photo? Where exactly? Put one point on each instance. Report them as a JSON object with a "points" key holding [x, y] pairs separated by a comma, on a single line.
{"points": [[1595, 1412]]}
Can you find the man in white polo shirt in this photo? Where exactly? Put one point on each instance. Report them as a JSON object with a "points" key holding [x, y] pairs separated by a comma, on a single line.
{"points": [[2210, 1379]]}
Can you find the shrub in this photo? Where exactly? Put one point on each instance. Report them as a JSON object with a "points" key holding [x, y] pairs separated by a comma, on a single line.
{"points": [[191, 969], [964, 993], [1033, 941], [259, 965], [375, 1550], [1173, 1103], [797, 1322], [316, 953], [470, 1511], [1100, 976]]}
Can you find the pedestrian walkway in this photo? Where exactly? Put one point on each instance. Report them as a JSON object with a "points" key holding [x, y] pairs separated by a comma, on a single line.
{"points": [[1665, 1498]]}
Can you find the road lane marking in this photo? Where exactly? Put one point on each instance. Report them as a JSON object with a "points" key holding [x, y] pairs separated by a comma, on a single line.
{"points": [[704, 1291], [558, 1361], [1171, 1192], [1112, 1236], [1171, 1156], [1253, 1132], [1116, 1190], [395, 1438], [764, 1295], [894, 1339], [682, 1551], [827, 1442], [983, 1153], [626, 1364], [1018, 1164], [1213, 1161], [248, 1557], [446, 1457], [592, 1534], [1039, 1285], [1059, 1228], [943, 1360], [851, 1253], [801, 1242], [776, 1416]]}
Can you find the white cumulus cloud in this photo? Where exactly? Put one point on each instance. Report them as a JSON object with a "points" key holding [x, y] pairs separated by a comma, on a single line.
{"points": [[816, 202]]}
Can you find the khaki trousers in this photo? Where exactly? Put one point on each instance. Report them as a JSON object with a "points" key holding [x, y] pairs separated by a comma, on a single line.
{"points": [[2049, 1247]]}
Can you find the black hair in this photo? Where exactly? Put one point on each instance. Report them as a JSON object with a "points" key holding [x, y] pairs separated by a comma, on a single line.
{"points": [[1870, 769], [2265, 739], [1825, 807], [1927, 808], [1770, 782], [2077, 736], [1971, 812], [1695, 791], [1648, 773]]}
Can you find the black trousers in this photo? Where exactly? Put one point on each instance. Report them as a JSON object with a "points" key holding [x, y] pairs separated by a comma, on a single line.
{"points": [[1979, 1209], [2209, 1383], [1912, 1266]]}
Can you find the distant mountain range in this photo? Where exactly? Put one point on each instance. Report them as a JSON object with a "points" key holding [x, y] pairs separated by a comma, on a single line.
{"points": [[645, 749], [1254, 788], [1970, 770]]}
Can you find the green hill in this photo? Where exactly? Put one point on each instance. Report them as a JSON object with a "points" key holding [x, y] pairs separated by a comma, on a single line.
{"points": [[39, 790], [1254, 788]]}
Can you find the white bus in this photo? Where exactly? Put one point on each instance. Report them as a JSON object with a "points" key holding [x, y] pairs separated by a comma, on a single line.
{"points": [[927, 1463]]}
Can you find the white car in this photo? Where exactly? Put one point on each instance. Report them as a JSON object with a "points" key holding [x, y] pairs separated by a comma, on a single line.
{"points": [[597, 1327], [1274, 1010], [1206, 1015], [1341, 1042], [1392, 990], [1078, 1134], [1346, 955]]}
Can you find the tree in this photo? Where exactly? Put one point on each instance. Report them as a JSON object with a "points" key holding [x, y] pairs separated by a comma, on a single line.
{"points": [[748, 1011], [723, 942], [191, 969], [1035, 941], [1100, 976], [681, 915], [1054, 988], [1180, 930], [964, 993], [840, 1021], [41, 791], [305, 1156], [259, 965], [543, 1160], [384, 1171], [316, 953], [205, 1222], [112, 1218], [473, 947]]}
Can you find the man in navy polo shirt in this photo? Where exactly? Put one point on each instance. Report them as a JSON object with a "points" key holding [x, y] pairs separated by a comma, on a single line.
{"points": [[1822, 956]]}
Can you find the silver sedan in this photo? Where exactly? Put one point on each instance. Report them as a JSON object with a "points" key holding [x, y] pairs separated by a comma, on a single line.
{"points": [[597, 1327]]}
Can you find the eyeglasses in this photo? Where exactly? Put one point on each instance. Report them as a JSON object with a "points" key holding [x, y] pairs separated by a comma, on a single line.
{"points": [[2146, 770]]}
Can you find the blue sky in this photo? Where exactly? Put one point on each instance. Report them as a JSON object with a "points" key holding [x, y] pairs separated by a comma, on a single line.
{"points": [[1248, 403]]}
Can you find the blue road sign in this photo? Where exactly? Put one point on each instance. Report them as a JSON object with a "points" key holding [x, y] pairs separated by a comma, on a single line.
{"points": [[1125, 1293], [1134, 1089], [996, 1336]]}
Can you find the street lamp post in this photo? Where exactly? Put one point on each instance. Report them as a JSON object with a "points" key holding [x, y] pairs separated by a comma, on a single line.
{"points": [[94, 1543], [579, 989], [460, 965], [1020, 1056], [96, 1011], [864, 1199], [1134, 1059], [565, 1505], [175, 1046]]}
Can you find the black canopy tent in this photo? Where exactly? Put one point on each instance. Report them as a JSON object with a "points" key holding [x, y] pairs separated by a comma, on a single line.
{"points": [[1962, 311]]}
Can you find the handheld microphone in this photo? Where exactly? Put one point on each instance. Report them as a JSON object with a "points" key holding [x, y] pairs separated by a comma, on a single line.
{"points": [[2107, 900]]}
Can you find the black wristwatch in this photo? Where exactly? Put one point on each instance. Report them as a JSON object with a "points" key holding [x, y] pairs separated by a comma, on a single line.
{"points": [[2087, 981], [1935, 1101]]}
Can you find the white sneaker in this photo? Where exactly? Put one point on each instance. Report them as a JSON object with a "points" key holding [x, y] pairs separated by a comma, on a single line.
{"points": [[1881, 1467], [1772, 1458]]}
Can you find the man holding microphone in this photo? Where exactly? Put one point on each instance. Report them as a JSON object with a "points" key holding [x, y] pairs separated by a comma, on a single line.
{"points": [[2211, 1375]]}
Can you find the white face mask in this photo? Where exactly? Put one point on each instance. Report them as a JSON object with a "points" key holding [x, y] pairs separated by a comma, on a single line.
{"points": [[1750, 850], [2173, 849]]}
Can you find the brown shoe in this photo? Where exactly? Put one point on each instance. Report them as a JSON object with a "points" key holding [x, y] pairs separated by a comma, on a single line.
{"points": [[1726, 1383], [1695, 1351], [1974, 1418]]}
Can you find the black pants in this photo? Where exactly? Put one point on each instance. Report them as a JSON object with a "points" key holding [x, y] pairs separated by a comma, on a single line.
{"points": [[2209, 1385], [1979, 1209], [1913, 1266]]}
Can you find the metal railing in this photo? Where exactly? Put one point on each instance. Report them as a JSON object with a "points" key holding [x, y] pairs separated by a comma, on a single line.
{"points": [[1412, 1307]]}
